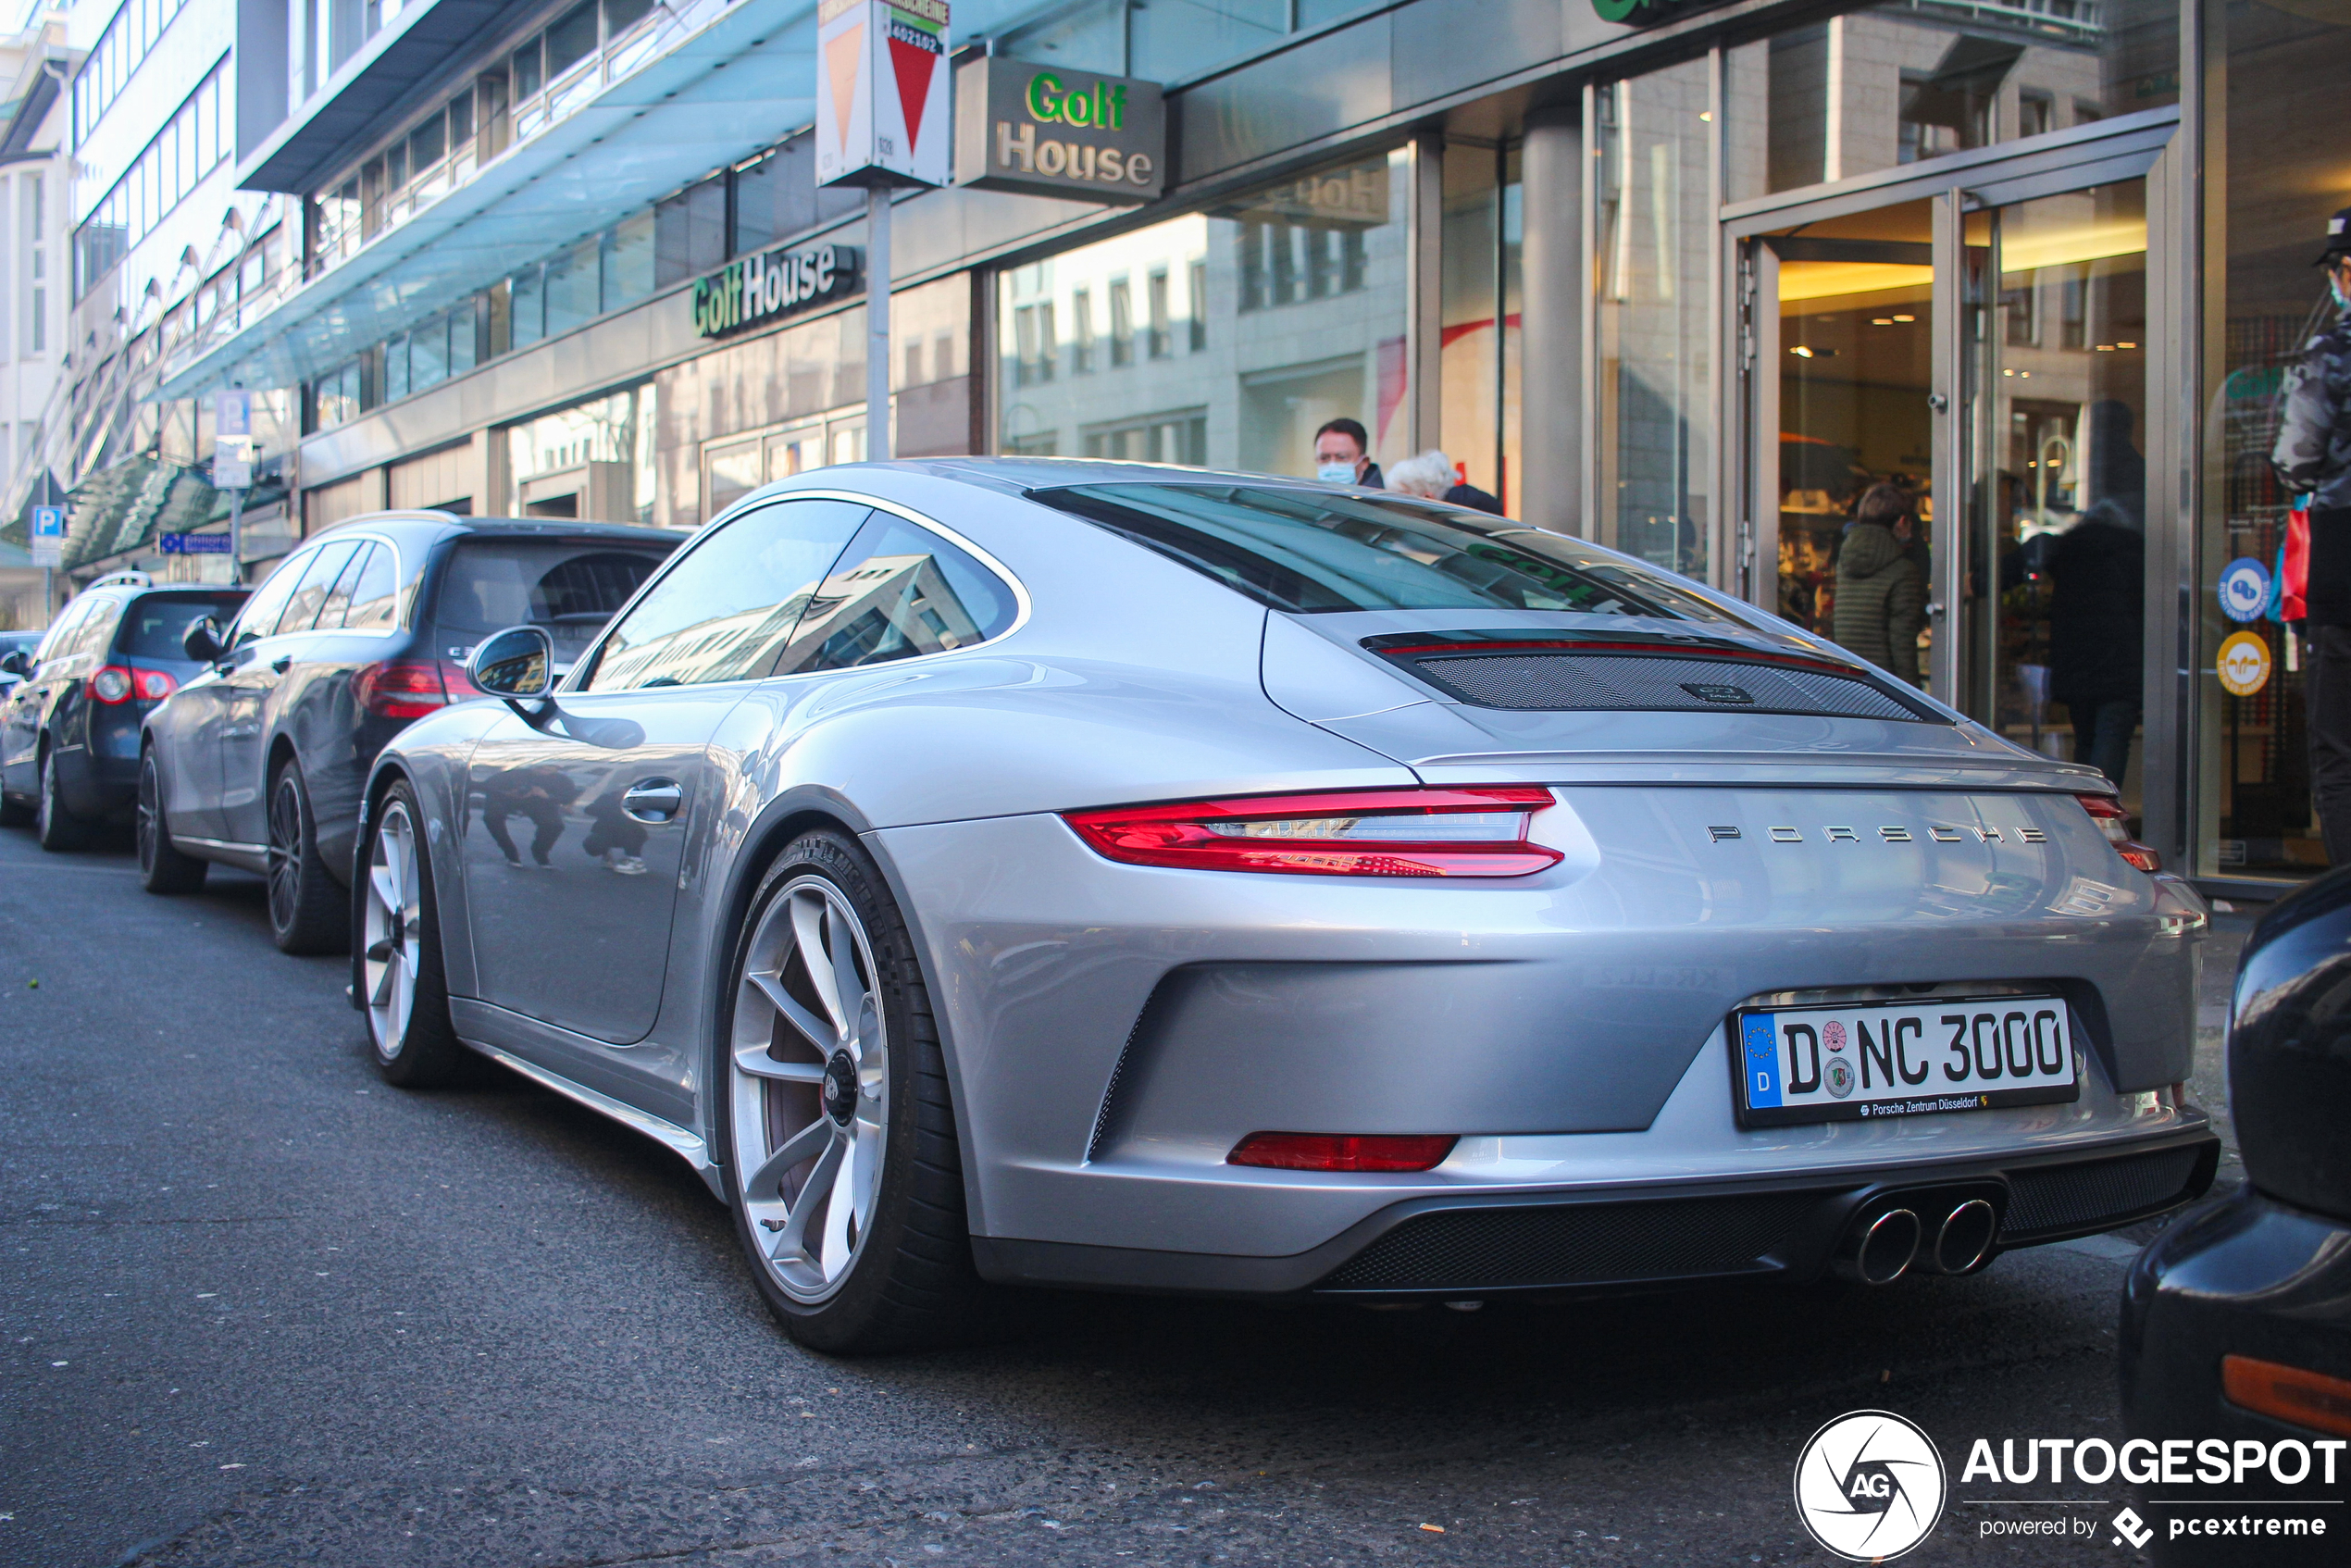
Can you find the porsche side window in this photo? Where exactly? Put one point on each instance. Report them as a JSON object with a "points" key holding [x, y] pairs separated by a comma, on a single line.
{"points": [[725, 609], [898, 591], [268, 603]]}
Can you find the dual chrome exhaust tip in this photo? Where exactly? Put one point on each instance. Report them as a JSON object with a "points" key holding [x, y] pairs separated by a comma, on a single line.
{"points": [[1895, 1235]]}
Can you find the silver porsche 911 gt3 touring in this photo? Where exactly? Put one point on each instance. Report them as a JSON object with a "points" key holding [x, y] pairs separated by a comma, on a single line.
{"points": [[1100, 875]]}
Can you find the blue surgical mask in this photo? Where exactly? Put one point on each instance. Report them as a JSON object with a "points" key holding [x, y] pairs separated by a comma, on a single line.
{"points": [[1340, 473]]}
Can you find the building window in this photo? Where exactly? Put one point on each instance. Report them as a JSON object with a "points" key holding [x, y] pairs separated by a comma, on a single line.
{"points": [[133, 32], [36, 231], [1081, 331], [1190, 386], [190, 144], [1122, 322]]}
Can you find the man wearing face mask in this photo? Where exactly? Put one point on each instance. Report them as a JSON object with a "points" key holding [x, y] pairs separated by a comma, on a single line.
{"points": [[2313, 460], [1342, 455]]}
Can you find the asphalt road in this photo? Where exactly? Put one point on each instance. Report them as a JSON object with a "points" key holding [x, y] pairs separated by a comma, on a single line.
{"points": [[259, 1308]]}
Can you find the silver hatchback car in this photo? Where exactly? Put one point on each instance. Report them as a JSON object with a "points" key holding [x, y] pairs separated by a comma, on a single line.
{"points": [[1083, 874]]}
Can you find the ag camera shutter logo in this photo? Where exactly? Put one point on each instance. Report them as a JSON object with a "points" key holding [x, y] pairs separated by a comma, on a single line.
{"points": [[1870, 1485]]}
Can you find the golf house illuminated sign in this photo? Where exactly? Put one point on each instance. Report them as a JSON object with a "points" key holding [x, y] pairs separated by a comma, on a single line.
{"points": [[778, 283], [1059, 133]]}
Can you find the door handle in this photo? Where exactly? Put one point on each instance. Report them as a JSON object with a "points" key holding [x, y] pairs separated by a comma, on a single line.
{"points": [[282, 664], [656, 799]]}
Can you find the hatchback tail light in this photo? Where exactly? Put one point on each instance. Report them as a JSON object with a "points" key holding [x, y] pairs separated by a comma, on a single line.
{"points": [[111, 684], [2115, 823], [153, 685], [1342, 1151], [1479, 832]]}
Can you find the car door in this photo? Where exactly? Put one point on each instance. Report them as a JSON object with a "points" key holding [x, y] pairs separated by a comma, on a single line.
{"points": [[258, 671], [190, 744], [19, 743], [573, 839]]}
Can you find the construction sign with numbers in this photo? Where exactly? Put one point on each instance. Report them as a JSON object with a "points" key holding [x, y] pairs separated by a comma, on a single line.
{"points": [[881, 93]]}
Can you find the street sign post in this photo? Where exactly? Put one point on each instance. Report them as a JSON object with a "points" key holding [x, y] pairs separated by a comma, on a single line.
{"points": [[232, 465], [48, 549], [882, 120]]}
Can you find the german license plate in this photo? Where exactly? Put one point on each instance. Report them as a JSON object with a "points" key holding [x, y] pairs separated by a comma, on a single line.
{"points": [[1867, 1061]]}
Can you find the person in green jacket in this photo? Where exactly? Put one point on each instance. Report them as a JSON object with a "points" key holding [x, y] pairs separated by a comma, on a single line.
{"points": [[1881, 597]]}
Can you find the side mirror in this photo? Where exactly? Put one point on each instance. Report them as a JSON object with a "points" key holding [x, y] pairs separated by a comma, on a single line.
{"points": [[201, 641], [518, 664], [15, 661]]}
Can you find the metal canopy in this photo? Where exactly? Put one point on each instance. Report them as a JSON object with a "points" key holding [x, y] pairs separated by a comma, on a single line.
{"points": [[738, 86], [419, 43]]}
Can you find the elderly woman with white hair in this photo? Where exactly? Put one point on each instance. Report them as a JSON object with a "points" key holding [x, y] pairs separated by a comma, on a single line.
{"points": [[1431, 476]]}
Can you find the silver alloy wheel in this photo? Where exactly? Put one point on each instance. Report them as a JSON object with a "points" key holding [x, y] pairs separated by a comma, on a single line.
{"points": [[811, 1088], [285, 851], [392, 930]]}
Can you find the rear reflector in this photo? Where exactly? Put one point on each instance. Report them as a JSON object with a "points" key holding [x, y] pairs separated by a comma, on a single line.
{"points": [[1342, 1151], [1477, 832], [2304, 1399], [2115, 823]]}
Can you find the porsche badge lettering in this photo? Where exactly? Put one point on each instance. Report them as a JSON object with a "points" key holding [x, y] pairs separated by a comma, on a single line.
{"points": [[1941, 833]]}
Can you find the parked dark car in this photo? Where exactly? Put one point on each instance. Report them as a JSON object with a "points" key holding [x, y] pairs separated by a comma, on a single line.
{"points": [[259, 763], [69, 733], [2236, 1321]]}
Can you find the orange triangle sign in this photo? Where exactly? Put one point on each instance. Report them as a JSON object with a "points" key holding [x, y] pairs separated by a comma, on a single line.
{"points": [[842, 53]]}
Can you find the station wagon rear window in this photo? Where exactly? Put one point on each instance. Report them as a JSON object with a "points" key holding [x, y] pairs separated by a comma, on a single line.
{"points": [[154, 623], [1306, 552]]}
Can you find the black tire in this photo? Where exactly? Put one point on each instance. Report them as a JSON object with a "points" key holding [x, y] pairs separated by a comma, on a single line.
{"points": [[912, 1285], [59, 830], [424, 1051], [309, 912], [162, 869]]}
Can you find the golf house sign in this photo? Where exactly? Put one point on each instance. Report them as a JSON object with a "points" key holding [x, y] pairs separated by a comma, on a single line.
{"points": [[775, 284], [1059, 133]]}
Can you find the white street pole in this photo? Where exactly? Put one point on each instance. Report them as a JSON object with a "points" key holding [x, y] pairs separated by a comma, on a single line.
{"points": [[877, 446], [236, 540]]}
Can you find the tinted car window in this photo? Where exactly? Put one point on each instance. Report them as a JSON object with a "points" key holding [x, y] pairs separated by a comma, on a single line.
{"points": [[373, 589], [338, 601], [152, 627], [259, 617], [898, 590], [572, 590], [726, 611], [310, 596], [59, 636], [1303, 552], [96, 628]]}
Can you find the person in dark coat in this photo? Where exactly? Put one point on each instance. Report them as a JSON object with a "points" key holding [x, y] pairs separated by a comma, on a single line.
{"points": [[2313, 461], [1880, 598]]}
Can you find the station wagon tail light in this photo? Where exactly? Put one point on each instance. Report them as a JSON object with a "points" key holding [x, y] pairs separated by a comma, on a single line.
{"points": [[153, 685], [111, 684], [2114, 822], [1342, 1151], [400, 688], [1476, 832]]}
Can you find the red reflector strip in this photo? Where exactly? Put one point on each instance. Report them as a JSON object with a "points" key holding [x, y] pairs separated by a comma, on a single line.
{"points": [[2115, 823], [1342, 1151], [1367, 833], [2289, 1393]]}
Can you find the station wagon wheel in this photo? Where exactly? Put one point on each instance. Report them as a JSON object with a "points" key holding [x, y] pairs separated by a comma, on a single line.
{"points": [[162, 869], [841, 1158], [307, 911], [811, 1085]]}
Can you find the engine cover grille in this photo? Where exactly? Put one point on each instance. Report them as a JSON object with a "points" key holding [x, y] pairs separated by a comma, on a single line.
{"points": [[1571, 682]]}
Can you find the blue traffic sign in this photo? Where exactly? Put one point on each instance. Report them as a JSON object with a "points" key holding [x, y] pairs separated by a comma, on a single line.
{"points": [[194, 543], [2245, 589], [48, 522]]}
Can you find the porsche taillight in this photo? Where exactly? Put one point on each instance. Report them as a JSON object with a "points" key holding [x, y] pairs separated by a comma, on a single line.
{"points": [[2115, 823], [1468, 832]]}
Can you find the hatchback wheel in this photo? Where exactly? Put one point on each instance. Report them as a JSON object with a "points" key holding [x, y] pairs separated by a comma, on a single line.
{"points": [[843, 1166], [399, 958], [307, 911], [55, 824], [162, 869]]}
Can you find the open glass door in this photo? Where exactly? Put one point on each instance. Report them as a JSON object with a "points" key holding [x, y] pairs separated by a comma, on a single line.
{"points": [[1842, 378], [2055, 378]]}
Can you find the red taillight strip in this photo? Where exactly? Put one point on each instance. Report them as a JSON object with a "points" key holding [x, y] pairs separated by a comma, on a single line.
{"points": [[2112, 820], [1176, 833], [1654, 650], [1342, 1151]]}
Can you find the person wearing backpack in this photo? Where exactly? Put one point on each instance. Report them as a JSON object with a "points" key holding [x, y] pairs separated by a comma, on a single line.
{"points": [[2313, 461]]}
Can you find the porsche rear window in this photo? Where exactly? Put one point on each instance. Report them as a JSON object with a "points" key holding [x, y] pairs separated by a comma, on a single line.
{"points": [[1306, 552]]}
